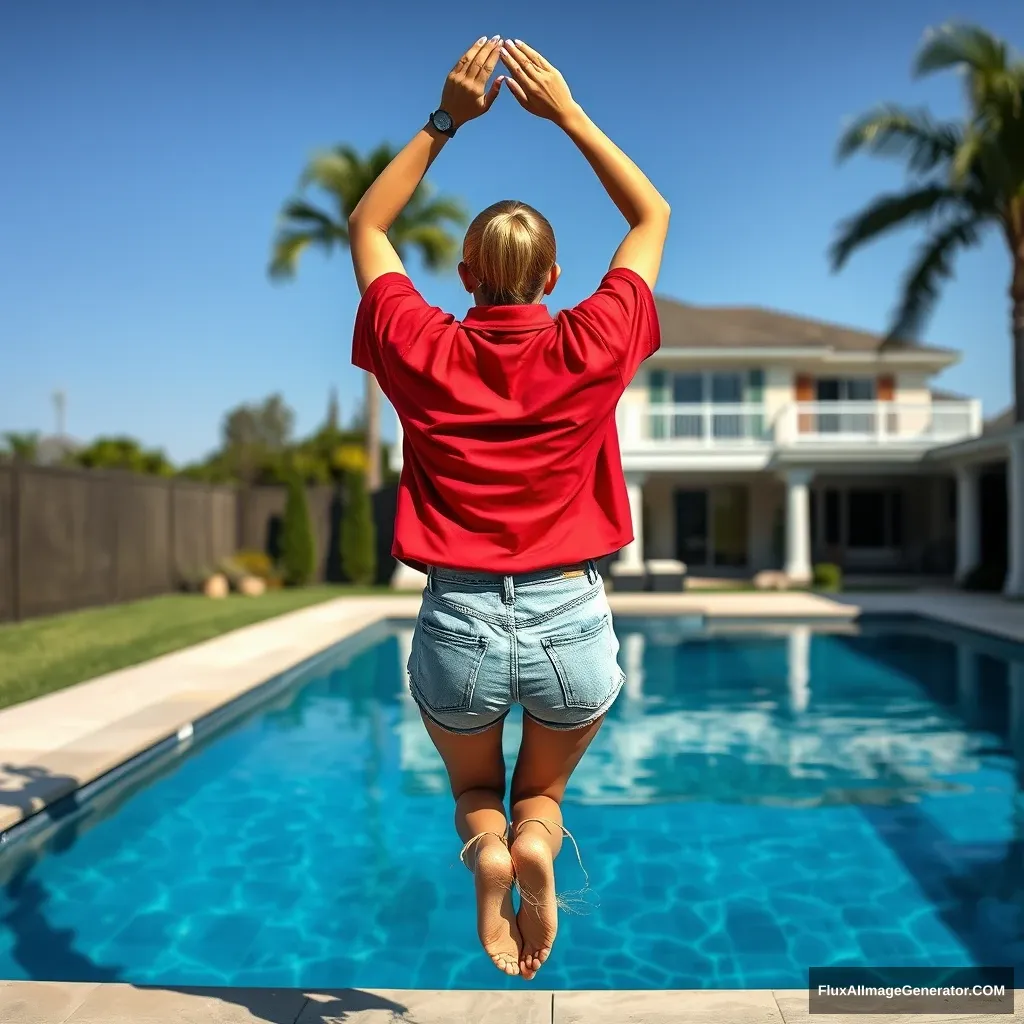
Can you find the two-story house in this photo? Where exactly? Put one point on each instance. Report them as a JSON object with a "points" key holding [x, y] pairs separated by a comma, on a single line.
{"points": [[755, 439]]}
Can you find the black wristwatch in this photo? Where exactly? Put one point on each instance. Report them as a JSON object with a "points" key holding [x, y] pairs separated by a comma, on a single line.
{"points": [[443, 122]]}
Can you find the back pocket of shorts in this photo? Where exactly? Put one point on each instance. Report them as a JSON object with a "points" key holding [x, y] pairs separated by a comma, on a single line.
{"points": [[585, 664], [445, 666]]}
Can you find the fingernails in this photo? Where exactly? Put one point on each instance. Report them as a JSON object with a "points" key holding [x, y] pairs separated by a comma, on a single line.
{"points": [[495, 39], [481, 41], [510, 42], [519, 42]]}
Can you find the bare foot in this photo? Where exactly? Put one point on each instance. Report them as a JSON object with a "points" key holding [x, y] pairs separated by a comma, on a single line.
{"points": [[495, 915], [538, 910]]}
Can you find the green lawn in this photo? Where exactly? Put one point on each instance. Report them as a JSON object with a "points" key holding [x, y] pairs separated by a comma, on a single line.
{"points": [[43, 655]]}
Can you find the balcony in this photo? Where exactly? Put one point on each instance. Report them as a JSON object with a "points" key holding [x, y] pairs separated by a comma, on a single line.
{"points": [[695, 426], [877, 423], [733, 427]]}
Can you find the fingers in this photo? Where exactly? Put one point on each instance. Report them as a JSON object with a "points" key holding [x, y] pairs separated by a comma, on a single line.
{"points": [[492, 93], [470, 55], [485, 60], [517, 90], [530, 52], [515, 63]]}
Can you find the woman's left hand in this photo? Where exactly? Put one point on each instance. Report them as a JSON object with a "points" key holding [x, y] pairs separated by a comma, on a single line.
{"points": [[465, 94]]}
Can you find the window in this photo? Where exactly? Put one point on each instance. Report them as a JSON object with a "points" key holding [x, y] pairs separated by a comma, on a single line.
{"points": [[846, 389], [833, 528], [706, 388], [875, 518]]}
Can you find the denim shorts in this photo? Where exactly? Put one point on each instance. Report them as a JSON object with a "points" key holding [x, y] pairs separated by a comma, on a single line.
{"points": [[484, 642]]}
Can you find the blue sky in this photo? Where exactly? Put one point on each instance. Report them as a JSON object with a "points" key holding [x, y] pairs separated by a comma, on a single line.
{"points": [[147, 149]]}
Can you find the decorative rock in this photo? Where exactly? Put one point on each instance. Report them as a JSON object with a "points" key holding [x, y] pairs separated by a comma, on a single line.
{"points": [[251, 586], [771, 579], [216, 586]]}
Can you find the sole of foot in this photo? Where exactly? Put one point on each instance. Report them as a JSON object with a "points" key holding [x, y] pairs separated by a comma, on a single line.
{"points": [[538, 909], [495, 916]]}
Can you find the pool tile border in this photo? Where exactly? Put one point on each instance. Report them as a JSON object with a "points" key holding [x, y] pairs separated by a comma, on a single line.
{"points": [[32, 1002]]}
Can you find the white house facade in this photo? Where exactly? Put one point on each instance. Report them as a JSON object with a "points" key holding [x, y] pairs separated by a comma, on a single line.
{"points": [[758, 440]]}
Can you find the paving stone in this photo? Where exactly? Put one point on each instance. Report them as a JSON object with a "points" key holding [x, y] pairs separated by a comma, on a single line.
{"points": [[126, 1004], [39, 1002], [417, 1006], [670, 1007]]}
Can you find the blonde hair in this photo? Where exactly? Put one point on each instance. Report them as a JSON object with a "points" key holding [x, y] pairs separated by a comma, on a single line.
{"points": [[510, 250]]}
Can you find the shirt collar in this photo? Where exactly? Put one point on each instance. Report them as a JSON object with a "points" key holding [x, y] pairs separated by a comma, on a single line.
{"points": [[526, 317]]}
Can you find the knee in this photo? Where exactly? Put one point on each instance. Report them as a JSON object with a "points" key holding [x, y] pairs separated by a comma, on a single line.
{"points": [[482, 790]]}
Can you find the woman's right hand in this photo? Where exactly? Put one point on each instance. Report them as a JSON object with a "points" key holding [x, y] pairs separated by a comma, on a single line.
{"points": [[539, 87]]}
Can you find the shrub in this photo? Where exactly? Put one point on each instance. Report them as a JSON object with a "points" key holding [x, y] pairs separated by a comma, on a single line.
{"points": [[828, 577], [298, 550], [988, 577], [255, 563], [358, 536]]}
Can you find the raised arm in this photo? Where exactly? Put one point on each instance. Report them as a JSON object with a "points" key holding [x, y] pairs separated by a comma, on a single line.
{"points": [[465, 96], [542, 90]]}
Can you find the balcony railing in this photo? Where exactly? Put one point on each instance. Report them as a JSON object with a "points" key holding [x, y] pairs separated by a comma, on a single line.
{"points": [[884, 423], [722, 426], [710, 425]]}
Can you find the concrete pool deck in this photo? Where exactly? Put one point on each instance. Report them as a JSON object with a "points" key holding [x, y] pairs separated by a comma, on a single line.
{"points": [[27, 1002], [58, 743]]}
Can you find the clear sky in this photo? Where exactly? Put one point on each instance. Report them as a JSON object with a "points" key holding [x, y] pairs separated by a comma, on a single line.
{"points": [[147, 148]]}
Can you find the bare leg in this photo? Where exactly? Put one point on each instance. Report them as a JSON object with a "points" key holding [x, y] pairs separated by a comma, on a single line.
{"points": [[476, 771], [546, 759]]}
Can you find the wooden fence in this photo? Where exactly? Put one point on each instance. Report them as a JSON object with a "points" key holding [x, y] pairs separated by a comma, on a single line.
{"points": [[71, 538]]}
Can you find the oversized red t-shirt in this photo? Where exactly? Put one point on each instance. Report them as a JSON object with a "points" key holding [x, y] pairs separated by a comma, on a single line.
{"points": [[511, 454]]}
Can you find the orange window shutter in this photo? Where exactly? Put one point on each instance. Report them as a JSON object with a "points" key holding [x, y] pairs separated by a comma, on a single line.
{"points": [[805, 392], [886, 388]]}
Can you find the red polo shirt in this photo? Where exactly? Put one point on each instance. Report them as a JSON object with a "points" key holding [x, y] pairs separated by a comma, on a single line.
{"points": [[511, 456]]}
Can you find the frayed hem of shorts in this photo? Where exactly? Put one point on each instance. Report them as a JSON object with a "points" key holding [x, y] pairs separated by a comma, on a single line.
{"points": [[589, 720], [444, 726]]}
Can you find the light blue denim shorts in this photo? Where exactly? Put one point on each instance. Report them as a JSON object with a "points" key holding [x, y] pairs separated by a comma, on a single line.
{"points": [[484, 642]]}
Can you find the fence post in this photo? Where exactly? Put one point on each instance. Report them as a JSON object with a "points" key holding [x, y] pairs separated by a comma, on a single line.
{"points": [[15, 552], [115, 500], [172, 571]]}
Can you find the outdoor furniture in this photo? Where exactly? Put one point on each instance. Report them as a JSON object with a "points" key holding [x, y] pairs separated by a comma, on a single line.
{"points": [[628, 578], [666, 575]]}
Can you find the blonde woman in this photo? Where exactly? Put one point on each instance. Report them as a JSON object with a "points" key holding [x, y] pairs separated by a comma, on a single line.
{"points": [[512, 483]]}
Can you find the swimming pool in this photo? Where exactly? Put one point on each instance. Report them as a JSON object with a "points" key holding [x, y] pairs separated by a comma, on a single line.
{"points": [[760, 800]]}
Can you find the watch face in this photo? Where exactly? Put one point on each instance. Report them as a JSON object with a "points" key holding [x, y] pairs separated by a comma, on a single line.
{"points": [[442, 121]]}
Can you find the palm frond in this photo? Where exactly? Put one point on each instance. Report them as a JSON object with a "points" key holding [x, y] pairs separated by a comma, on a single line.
{"points": [[953, 45], [436, 247], [287, 249], [437, 211], [910, 134], [934, 264], [298, 211], [888, 212]]}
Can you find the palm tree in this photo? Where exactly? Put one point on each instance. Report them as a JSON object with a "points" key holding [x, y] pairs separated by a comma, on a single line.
{"points": [[965, 178], [345, 176]]}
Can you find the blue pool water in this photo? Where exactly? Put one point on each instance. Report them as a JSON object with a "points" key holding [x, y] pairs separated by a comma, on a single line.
{"points": [[758, 802]]}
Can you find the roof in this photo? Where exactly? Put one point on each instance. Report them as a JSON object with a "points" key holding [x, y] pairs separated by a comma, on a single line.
{"points": [[1000, 422], [687, 326]]}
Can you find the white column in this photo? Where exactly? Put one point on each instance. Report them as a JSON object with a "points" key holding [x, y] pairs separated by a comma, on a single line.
{"points": [[633, 645], [798, 651], [1014, 586], [968, 525], [632, 556], [798, 525]]}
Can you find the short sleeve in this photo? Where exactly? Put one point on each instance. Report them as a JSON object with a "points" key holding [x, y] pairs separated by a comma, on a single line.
{"points": [[391, 317], [622, 316]]}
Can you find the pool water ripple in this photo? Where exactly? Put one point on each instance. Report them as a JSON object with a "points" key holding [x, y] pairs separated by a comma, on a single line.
{"points": [[757, 803]]}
